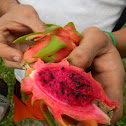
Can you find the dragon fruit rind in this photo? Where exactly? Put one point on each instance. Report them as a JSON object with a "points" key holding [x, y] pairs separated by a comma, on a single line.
{"points": [[52, 45], [68, 92]]}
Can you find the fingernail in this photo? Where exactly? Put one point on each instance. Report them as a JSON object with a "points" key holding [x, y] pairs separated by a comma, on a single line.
{"points": [[16, 59]]}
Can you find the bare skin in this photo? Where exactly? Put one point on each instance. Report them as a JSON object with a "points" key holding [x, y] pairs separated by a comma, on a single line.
{"points": [[96, 50], [13, 24]]}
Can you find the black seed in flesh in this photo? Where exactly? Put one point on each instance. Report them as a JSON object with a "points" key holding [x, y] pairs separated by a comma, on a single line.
{"points": [[62, 68], [67, 94], [82, 85], [77, 87], [62, 91], [61, 82], [78, 83], [77, 96], [50, 85], [44, 80], [52, 76], [88, 86], [72, 76], [56, 92], [40, 74], [72, 93]]}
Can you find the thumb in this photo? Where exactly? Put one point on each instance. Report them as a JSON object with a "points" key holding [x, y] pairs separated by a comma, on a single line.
{"points": [[82, 56], [92, 44], [10, 53]]}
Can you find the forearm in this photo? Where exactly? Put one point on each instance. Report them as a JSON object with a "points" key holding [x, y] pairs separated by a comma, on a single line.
{"points": [[120, 37], [5, 5]]}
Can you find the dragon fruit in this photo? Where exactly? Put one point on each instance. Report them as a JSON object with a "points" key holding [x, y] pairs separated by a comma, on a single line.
{"points": [[66, 93], [52, 45], [70, 94]]}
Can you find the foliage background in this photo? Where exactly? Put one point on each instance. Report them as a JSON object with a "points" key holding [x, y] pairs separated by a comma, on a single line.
{"points": [[8, 76]]}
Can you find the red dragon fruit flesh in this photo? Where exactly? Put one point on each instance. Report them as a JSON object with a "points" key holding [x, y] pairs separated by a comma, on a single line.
{"points": [[68, 92]]}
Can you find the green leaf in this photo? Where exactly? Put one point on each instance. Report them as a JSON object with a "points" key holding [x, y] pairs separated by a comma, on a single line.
{"points": [[69, 59], [32, 37], [25, 97], [51, 117], [49, 25], [48, 59], [78, 34], [23, 38], [48, 116], [52, 28], [51, 48]]}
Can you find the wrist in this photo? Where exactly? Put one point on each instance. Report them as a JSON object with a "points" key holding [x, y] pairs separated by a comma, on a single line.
{"points": [[7, 5], [110, 37]]}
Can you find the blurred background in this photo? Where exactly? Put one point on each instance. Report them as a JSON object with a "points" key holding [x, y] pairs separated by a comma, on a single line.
{"points": [[8, 76]]}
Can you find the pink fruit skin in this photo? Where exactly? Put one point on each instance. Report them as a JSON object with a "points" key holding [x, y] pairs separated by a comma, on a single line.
{"points": [[62, 104], [64, 35], [31, 51]]}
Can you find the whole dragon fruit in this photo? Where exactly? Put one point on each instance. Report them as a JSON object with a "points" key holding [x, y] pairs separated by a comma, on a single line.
{"points": [[70, 94], [52, 45]]}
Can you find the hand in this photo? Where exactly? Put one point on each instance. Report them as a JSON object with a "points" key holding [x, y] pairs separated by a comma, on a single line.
{"points": [[96, 51], [17, 21]]}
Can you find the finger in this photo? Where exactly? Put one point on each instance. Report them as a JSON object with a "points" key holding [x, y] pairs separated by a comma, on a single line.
{"points": [[9, 53], [36, 25], [10, 64], [34, 22]]}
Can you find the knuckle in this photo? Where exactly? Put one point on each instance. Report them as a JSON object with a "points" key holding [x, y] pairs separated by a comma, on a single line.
{"points": [[95, 32], [83, 58], [30, 10], [91, 30], [78, 54], [98, 37]]}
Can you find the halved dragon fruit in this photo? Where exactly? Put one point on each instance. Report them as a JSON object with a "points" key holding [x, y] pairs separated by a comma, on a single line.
{"points": [[52, 45], [69, 93]]}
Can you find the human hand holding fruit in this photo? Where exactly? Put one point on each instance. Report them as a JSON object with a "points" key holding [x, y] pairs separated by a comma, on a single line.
{"points": [[96, 51], [17, 21]]}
